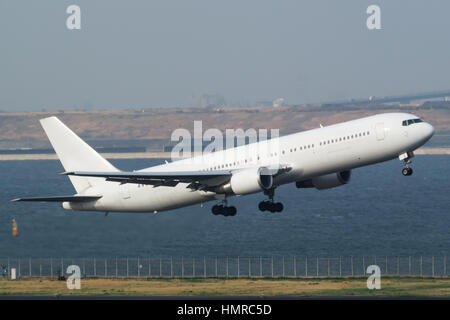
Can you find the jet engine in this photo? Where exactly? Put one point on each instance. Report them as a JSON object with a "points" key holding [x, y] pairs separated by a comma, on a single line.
{"points": [[248, 181], [327, 181]]}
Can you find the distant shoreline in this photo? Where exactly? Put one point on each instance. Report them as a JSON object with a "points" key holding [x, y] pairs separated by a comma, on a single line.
{"points": [[166, 155]]}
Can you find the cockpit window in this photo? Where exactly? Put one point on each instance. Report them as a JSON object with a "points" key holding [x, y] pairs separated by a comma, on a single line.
{"points": [[411, 121]]}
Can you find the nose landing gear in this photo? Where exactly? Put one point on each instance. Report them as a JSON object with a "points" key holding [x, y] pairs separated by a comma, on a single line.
{"points": [[406, 158], [270, 205], [407, 171]]}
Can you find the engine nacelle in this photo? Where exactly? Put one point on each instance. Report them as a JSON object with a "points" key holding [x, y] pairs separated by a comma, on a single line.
{"points": [[327, 181], [248, 181]]}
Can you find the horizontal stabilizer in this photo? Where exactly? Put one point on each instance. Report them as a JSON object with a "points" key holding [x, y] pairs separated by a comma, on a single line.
{"points": [[61, 199]]}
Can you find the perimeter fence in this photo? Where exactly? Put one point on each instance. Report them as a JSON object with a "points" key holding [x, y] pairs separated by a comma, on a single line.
{"points": [[227, 267]]}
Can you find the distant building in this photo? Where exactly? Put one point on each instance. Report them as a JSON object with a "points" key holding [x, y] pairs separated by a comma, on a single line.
{"points": [[212, 101], [264, 103], [278, 102]]}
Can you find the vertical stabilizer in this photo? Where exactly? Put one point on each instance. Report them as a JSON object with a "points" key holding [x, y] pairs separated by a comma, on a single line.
{"points": [[75, 154]]}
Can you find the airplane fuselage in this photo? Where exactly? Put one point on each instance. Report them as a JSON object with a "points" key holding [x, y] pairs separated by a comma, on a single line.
{"points": [[309, 154]]}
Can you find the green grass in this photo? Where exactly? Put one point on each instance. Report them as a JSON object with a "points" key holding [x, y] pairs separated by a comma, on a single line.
{"points": [[311, 287]]}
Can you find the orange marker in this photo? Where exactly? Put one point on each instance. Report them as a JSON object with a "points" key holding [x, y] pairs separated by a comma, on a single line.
{"points": [[15, 230]]}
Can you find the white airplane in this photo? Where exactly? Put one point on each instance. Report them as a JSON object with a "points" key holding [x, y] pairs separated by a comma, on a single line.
{"points": [[321, 158]]}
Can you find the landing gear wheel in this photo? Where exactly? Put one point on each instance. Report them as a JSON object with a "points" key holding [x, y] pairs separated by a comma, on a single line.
{"points": [[407, 171], [263, 205], [232, 211], [270, 206], [216, 209], [223, 210], [278, 207]]}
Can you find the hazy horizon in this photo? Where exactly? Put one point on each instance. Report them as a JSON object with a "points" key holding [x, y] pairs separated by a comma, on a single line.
{"points": [[144, 54]]}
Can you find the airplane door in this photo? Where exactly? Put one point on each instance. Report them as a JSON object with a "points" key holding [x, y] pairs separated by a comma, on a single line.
{"points": [[125, 191], [379, 129]]}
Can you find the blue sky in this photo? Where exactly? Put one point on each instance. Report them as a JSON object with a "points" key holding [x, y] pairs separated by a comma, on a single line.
{"points": [[167, 53]]}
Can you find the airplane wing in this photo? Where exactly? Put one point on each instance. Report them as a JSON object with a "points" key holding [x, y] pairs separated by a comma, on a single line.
{"points": [[197, 179], [61, 199]]}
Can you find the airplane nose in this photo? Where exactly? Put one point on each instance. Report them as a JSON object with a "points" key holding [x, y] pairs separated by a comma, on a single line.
{"points": [[429, 131]]}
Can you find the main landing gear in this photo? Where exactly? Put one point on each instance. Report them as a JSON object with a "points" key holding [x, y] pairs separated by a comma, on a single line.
{"points": [[406, 158], [270, 205], [223, 209]]}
